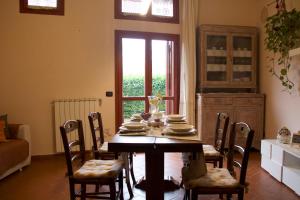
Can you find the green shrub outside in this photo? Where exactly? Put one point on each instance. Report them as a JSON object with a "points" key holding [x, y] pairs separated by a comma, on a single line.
{"points": [[134, 86]]}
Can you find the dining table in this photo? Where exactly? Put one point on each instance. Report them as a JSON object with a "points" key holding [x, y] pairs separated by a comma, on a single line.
{"points": [[154, 146]]}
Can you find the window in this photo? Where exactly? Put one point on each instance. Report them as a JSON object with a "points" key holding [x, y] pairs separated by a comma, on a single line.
{"points": [[49, 7], [146, 64], [148, 10]]}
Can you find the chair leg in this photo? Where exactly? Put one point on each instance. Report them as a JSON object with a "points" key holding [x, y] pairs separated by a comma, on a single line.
{"points": [[187, 194], [121, 185], [72, 190], [127, 178], [194, 195], [229, 196], [221, 162], [97, 187], [215, 164], [83, 192], [241, 195], [131, 168], [112, 190]]}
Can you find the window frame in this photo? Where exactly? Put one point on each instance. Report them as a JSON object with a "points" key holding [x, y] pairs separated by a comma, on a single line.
{"points": [[148, 17], [59, 10], [148, 36]]}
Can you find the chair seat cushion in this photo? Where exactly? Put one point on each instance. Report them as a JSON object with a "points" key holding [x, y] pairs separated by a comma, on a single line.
{"points": [[210, 150], [215, 177], [99, 169], [104, 148]]}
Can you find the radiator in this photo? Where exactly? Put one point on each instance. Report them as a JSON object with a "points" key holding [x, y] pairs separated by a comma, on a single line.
{"points": [[74, 109]]}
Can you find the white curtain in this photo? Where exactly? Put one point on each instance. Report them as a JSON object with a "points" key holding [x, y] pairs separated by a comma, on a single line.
{"points": [[189, 19]]}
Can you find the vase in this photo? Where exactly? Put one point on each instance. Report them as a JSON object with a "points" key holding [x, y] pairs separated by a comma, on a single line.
{"points": [[153, 104]]}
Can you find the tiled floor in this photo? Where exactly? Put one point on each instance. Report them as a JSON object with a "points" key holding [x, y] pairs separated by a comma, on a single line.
{"points": [[45, 179]]}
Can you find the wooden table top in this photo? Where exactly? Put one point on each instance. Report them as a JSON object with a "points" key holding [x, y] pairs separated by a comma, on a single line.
{"points": [[145, 143]]}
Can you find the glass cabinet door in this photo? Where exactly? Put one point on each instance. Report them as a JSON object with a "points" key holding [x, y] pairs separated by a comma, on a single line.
{"points": [[216, 58], [242, 59]]}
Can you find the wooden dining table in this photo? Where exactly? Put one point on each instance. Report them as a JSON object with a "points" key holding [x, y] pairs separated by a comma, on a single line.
{"points": [[154, 149]]}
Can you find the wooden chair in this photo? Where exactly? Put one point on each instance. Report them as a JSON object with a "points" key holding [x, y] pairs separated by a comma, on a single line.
{"points": [[222, 180], [91, 172], [100, 147], [215, 153]]}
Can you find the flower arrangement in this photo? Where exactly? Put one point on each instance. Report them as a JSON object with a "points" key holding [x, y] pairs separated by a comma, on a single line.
{"points": [[154, 102]]}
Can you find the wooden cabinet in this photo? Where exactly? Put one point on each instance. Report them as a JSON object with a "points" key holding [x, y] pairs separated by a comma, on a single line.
{"points": [[227, 58], [246, 107]]}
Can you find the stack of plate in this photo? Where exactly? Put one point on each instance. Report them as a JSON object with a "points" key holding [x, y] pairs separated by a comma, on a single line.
{"points": [[133, 128], [180, 130], [136, 118], [176, 119]]}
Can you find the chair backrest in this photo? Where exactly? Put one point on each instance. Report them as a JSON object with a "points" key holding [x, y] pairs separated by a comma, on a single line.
{"points": [[241, 151], [221, 131], [96, 125], [74, 148]]}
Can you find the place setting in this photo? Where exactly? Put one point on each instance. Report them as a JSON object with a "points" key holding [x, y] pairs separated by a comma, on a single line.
{"points": [[179, 130], [133, 128], [176, 119]]}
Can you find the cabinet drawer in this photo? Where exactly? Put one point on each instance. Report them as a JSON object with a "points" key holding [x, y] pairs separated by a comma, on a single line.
{"points": [[248, 101], [217, 101], [266, 148], [277, 154], [272, 167], [291, 177]]}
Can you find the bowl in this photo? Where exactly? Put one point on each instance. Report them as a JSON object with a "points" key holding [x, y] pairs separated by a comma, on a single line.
{"points": [[134, 125], [180, 127], [175, 117], [137, 116]]}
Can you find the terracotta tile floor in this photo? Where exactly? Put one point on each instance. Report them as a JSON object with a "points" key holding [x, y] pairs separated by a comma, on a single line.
{"points": [[45, 179]]}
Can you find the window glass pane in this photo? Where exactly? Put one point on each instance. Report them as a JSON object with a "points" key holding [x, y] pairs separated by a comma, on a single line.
{"points": [[162, 8], [132, 107], [159, 66], [136, 6], [133, 62], [242, 59], [216, 58], [167, 106], [42, 3], [162, 67]]}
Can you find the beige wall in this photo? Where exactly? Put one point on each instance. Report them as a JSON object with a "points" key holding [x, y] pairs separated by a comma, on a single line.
{"points": [[38, 52], [282, 108]]}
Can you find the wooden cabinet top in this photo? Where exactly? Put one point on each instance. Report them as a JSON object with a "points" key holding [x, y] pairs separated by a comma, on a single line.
{"points": [[233, 95]]}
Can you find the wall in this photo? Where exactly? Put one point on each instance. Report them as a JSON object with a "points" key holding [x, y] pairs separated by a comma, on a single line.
{"points": [[230, 12], [39, 52], [282, 108]]}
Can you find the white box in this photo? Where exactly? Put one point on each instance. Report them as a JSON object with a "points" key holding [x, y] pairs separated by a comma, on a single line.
{"points": [[291, 177], [272, 167]]}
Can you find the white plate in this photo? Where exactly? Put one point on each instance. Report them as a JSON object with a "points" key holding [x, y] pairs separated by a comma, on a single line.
{"points": [[178, 120], [124, 129], [175, 117], [174, 133], [180, 127], [134, 125], [133, 134]]}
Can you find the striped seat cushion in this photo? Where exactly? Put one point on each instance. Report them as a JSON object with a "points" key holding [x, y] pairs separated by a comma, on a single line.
{"points": [[210, 150], [215, 177], [99, 169], [104, 147]]}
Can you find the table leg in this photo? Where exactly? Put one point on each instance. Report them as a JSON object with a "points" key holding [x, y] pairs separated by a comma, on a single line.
{"points": [[155, 175]]}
